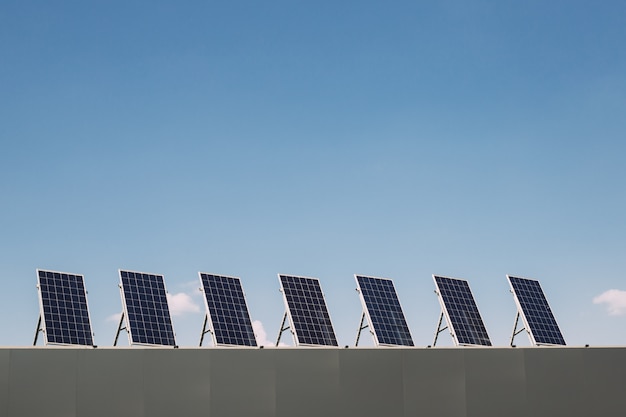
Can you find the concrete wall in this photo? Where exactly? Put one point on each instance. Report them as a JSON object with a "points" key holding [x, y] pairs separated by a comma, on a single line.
{"points": [[313, 382]]}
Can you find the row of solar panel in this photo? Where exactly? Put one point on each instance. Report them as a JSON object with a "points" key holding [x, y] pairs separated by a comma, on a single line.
{"points": [[64, 317]]}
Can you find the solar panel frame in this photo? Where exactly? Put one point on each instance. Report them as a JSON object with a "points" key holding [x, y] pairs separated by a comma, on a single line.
{"points": [[211, 319], [456, 332], [375, 330], [130, 330], [294, 327], [43, 313], [534, 333]]}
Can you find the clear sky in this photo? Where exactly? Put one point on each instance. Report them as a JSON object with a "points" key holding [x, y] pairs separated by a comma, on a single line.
{"points": [[467, 139]]}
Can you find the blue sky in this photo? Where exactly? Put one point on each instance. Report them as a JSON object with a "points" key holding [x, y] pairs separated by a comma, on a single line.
{"points": [[320, 139]]}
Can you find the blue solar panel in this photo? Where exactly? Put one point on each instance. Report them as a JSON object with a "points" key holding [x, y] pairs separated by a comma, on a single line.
{"points": [[536, 312], [461, 311], [307, 311], [385, 316], [148, 319], [227, 310], [63, 302]]}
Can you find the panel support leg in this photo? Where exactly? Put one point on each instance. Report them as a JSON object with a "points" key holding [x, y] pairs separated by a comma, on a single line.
{"points": [[282, 328], [515, 331], [37, 330], [439, 329], [361, 327], [119, 329], [204, 329]]}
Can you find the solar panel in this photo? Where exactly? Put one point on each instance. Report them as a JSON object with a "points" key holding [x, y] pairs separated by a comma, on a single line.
{"points": [[535, 311], [461, 312], [147, 313], [227, 310], [382, 309], [64, 310], [307, 312]]}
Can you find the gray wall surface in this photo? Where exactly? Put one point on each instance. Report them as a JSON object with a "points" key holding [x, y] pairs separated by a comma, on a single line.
{"points": [[292, 382]]}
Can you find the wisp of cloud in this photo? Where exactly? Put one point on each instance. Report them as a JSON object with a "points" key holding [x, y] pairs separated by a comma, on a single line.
{"points": [[615, 301]]}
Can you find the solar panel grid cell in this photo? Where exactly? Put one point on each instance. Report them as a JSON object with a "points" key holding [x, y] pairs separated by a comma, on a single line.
{"points": [[307, 309], [228, 310], [536, 311], [147, 308], [462, 311], [64, 306], [385, 313]]}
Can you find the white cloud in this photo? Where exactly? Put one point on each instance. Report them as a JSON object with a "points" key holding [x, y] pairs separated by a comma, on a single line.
{"points": [[261, 335], [182, 303], [114, 317], [615, 301], [191, 287]]}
